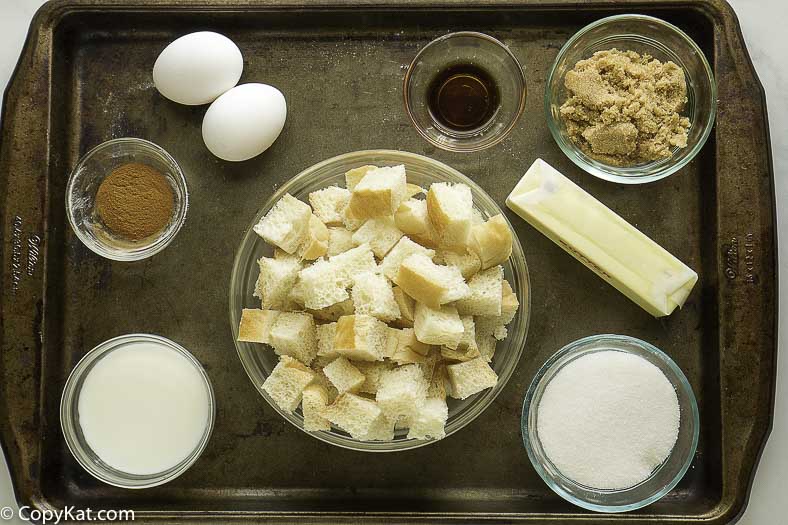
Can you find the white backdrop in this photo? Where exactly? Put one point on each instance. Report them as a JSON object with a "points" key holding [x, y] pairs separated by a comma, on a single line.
{"points": [[762, 24]]}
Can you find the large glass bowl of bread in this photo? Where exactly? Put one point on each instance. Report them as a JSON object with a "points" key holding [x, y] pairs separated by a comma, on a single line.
{"points": [[379, 300]]}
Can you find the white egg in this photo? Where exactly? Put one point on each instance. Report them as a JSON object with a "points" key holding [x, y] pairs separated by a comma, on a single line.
{"points": [[244, 122], [197, 68]]}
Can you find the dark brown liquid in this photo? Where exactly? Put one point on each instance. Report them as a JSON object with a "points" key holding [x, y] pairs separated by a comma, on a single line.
{"points": [[463, 97]]}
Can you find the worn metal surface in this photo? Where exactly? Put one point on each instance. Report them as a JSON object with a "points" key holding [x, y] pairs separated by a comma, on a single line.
{"points": [[84, 77]]}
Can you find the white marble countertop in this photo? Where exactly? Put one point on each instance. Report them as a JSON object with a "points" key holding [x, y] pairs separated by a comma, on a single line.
{"points": [[762, 24]]}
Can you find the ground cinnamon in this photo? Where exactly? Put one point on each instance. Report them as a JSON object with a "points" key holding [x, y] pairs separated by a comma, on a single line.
{"points": [[135, 201]]}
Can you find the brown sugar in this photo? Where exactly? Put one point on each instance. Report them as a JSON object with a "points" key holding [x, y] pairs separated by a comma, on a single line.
{"points": [[135, 201], [624, 108]]}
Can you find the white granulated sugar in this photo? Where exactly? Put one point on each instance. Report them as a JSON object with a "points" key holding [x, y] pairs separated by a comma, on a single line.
{"points": [[608, 419]]}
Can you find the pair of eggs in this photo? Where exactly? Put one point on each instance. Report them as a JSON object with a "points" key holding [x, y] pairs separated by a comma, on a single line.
{"points": [[200, 68]]}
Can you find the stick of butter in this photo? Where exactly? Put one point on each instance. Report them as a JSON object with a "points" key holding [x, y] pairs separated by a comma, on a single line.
{"points": [[607, 244]]}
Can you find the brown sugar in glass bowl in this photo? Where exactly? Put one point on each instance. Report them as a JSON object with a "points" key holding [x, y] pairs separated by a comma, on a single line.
{"points": [[126, 199]]}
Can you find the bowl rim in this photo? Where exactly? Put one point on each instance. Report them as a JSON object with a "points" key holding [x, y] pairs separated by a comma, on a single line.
{"points": [[169, 234], [522, 80], [579, 347], [606, 172], [70, 392], [523, 312]]}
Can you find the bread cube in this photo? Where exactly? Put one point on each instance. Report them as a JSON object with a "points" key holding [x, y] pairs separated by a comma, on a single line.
{"points": [[406, 338], [486, 345], [343, 375], [350, 220], [467, 262], [491, 241], [467, 343], [277, 277], [353, 414], [354, 176], [379, 192], [495, 325], [316, 241], [323, 285], [372, 295], [372, 371], [405, 355], [329, 203], [293, 334], [441, 326], [404, 248], [438, 382], [380, 233], [339, 240], [411, 217], [486, 295], [320, 377], [430, 283], [509, 302], [295, 297], [325, 340], [354, 262], [314, 402], [449, 207], [382, 429], [402, 391], [470, 377], [406, 305], [255, 325], [361, 338], [285, 225], [287, 382], [430, 421], [334, 312]]}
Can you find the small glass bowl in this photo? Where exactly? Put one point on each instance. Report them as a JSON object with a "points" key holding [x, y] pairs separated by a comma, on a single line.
{"points": [[85, 180], [645, 35], [69, 417], [484, 52], [664, 477], [259, 360]]}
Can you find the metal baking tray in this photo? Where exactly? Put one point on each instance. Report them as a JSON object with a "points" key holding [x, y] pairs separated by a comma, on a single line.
{"points": [[84, 77]]}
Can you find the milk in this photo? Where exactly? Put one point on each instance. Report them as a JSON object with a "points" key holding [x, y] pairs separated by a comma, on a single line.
{"points": [[143, 408]]}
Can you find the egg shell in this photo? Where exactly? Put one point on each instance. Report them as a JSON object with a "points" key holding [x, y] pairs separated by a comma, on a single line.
{"points": [[198, 67], [244, 122]]}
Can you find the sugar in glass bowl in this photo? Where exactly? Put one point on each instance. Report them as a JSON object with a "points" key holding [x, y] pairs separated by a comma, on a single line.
{"points": [[259, 360]]}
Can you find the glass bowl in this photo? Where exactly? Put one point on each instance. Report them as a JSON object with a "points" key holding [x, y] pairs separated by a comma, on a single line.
{"points": [[484, 52], [69, 417], [663, 478], [259, 360], [661, 40], [84, 182]]}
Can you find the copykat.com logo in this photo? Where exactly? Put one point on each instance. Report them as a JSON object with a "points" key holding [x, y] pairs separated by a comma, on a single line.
{"points": [[67, 514]]}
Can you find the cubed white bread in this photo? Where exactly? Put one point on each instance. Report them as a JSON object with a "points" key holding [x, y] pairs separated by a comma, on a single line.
{"points": [[285, 225], [509, 303], [379, 192], [354, 176], [468, 340], [380, 233], [287, 382], [430, 283], [334, 312], [316, 241], [467, 262], [441, 326], [328, 204], [491, 241], [449, 209], [339, 240], [350, 220], [382, 429], [323, 284], [411, 217], [460, 355], [372, 295], [495, 325], [255, 325], [430, 421], [404, 355], [295, 297], [372, 372], [277, 277], [279, 253], [476, 217], [486, 297], [392, 343], [470, 377], [354, 414], [343, 375], [431, 360], [404, 248], [325, 340], [402, 391], [486, 345], [406, 305], [320, 377], [314, 402], [354, 262], [361, 338], [438, 383], [406, 338], [294, 334], [411, 190]]}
